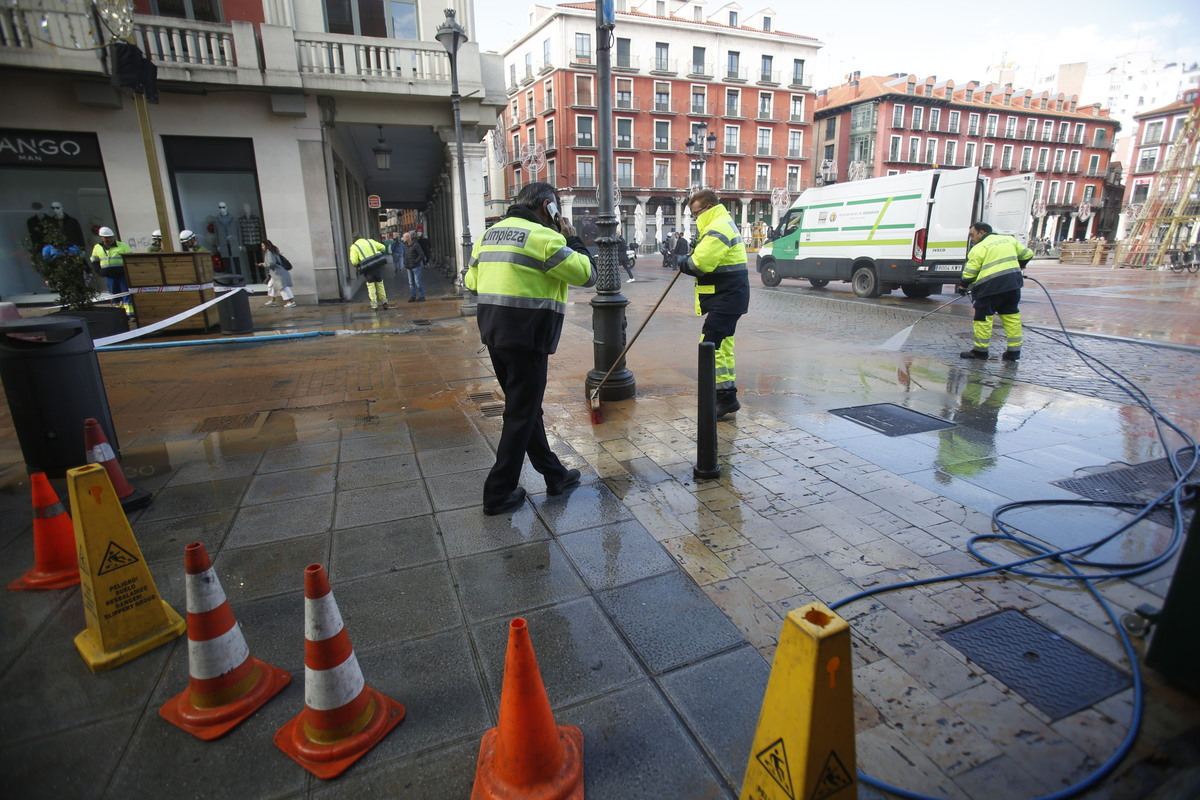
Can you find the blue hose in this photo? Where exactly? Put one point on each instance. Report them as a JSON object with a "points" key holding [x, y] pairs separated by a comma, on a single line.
{"points": [[1075, 561], [195, 342]]}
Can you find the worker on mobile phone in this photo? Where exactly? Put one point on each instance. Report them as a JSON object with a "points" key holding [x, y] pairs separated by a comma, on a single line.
{"points": [[521, 269]]}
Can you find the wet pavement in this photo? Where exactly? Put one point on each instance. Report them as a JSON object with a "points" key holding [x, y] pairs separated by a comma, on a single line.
{"points": [[654, 600]]}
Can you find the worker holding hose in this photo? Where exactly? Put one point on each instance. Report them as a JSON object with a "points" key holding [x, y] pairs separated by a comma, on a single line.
{"points": [[993, 277], [521, 268], [718, 263]]}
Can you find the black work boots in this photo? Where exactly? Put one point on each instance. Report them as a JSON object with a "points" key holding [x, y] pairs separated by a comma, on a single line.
{"points": [[727, 402]]}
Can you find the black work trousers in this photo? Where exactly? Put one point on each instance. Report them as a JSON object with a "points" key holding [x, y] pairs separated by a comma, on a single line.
{"points": [[522, 377]]}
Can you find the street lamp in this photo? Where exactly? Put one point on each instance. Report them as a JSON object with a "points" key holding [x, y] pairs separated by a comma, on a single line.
{"points": [[698, 152], [383, 153], [452, 37]]}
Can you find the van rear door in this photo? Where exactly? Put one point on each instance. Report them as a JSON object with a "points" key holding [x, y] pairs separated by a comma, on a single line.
{"points": [[950, 215], [1008, 206]]}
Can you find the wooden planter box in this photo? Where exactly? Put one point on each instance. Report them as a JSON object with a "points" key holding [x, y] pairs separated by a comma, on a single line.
{"points": [[168, 269], [156, 306]]}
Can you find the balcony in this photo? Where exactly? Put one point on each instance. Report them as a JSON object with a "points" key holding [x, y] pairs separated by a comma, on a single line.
{"points": [[766, 115], [706, 70], [666, 107], [797, 118], [585, 140], [627, 62], [236, 54], [733, 73], [732, 149], [628, 142], [770, 78], [766, 151], [795, 153], [625, 104], [549, 144], [583, 100], [736, 110], [665, 66], [662, 146], [762, 185], [700, 109], [730, 183], [662, 182]]}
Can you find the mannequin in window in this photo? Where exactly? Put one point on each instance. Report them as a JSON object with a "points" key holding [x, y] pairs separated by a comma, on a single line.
{"points": [[34, 225], [250, 230], [70, 227], [226, 241]]}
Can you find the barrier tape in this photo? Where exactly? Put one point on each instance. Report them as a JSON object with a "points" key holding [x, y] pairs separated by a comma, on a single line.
{"points": [[169, 321]]}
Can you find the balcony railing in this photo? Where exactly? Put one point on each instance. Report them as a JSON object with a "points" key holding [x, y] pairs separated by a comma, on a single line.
{"points": [[237, 53]]}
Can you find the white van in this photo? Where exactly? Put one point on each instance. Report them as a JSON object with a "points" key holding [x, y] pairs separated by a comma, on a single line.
{"points": [[903, 231]]}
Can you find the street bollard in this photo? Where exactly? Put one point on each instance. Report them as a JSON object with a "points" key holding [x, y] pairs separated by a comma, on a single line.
{"points": [[706, 414]]}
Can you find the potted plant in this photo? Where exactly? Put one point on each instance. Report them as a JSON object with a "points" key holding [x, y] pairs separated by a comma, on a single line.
{"points": [[66, 270]]}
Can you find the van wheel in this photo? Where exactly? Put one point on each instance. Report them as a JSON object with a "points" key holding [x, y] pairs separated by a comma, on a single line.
{"points": [[770, 277], [818, 283], [865, 282], [917, 291]]}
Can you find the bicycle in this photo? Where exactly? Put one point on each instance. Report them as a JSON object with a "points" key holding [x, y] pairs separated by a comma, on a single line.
{"points": [[1179, 260]]}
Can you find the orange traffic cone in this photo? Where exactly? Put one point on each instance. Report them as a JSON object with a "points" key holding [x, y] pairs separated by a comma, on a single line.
{"points": [[55, 565], [226, 684], [99, 451], [527, 755], [343, 718]]}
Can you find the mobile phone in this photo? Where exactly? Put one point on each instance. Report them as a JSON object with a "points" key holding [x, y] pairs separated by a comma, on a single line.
{"points": [[552, 210]]}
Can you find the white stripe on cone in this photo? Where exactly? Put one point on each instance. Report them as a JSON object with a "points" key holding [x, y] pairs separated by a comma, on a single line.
{"points": [[204, 592], [327, 689], [321, 618], [215, 657], [101, 453]]}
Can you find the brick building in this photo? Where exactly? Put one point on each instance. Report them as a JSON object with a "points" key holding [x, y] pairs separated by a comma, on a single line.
{"points": [[875, 126], [680, 71]]}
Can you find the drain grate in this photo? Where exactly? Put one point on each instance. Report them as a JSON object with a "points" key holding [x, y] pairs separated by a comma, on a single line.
{"points": [[481, 397], [1139, 483], [1054, 674], [891, 419], [231, 423], [493, 410]]}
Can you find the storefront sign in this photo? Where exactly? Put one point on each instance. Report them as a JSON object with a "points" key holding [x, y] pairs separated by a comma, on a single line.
{"points": [[373, 201], [48, 149]]}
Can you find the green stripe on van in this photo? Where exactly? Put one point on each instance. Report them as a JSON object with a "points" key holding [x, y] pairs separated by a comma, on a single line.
{"points": [[878, 217], [946, 244], [825, 205], [881, 199], [854, 242]]}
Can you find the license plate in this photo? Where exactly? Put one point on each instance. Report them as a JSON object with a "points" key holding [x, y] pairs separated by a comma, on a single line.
{"points": [[947, 268]]}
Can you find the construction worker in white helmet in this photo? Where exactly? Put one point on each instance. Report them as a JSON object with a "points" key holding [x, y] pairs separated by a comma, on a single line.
{"points": [[108, 258], [155, 242]]}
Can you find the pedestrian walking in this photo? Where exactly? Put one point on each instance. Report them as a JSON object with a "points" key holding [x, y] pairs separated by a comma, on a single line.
{"points": [[521, 268], [414, 263], [369, 257], [722, 286], [623, 257], [108, 258], [994, 278], [279, 278]]}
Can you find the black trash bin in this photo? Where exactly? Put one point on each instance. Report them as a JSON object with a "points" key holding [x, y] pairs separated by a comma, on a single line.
{"points": [[234, 312], [52, 379]]}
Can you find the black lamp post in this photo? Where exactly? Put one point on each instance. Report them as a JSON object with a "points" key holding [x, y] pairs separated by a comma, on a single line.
{"points": [[698, 152], [452, 37]]}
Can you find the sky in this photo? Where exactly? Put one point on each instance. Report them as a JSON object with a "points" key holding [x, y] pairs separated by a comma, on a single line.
{"points": [[952, 41]]}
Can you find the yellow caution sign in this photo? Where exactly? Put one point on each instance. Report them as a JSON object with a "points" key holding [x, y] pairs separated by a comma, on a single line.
{"points": [[804, 744], [125, 615]]}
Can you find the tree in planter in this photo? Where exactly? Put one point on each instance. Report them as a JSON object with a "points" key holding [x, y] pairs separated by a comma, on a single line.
{"points": [[63, 267]]}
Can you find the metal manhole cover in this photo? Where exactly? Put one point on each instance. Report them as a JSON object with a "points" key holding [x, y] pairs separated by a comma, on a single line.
{"points": [[231, 423], [1054, 674], [891, 419], [1139, 483]]}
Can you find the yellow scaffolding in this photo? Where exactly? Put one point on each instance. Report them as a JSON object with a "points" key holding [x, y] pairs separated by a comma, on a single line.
{"points": [[1166, 223]]}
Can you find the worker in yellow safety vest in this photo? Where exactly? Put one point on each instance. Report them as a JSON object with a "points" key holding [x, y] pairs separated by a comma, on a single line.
{"points": [[993, 277], [521, 269], [718, 263], [108, 258]]}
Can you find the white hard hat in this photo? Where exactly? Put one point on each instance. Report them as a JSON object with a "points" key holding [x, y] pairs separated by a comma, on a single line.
{"points": [[185, 234], [107, 232], [156, 235]]}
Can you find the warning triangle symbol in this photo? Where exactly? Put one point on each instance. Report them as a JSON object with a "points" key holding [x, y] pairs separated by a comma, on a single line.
{"points": [[115, 557], [834, 778], [774, 761]]}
